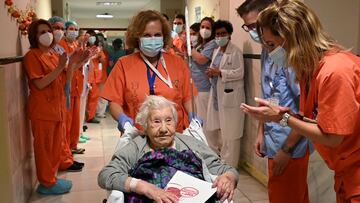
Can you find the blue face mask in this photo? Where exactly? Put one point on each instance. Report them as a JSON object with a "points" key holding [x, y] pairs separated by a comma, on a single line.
{"points": [[178, 28], [222, 41], [278, 55], [151, 46], [255, 36]]}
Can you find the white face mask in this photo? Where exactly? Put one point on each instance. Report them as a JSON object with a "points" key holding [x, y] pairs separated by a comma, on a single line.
{"points": [[92, 40], [194, 40], [58, 35], [46, 39], [205, 33], [72, 34]]}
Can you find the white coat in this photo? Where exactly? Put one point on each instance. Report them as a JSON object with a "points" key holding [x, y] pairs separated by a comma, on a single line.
{"points": [[229, 118]]}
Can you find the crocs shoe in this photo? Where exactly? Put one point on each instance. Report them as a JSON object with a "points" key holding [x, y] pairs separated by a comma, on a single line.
{"points": [[82, 140], [94, 120], [75, 168], [60, 187], [78, 151], [83, 136]]}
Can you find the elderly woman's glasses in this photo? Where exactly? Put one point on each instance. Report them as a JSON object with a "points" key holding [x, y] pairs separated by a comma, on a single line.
{"points": [[247, 28], [159, 122]]}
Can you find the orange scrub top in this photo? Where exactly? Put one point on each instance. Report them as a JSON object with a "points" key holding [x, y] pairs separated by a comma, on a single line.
{"points": [[96, 70], [78, 78], [334, 101], [128, 85], [180, 44], [49, 102]]}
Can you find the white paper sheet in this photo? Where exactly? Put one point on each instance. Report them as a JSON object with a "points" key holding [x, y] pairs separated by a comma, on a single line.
{"points": [[190, 189]]}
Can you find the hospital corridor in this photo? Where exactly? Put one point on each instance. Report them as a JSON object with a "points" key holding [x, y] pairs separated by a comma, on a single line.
{"points": [[179, 101]]}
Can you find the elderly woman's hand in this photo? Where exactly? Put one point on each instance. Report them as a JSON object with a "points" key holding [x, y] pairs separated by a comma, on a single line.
{"points": [[157, 194], [225, 185]]}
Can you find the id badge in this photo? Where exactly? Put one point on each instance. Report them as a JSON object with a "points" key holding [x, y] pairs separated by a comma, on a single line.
{"points": [[100, 66]]}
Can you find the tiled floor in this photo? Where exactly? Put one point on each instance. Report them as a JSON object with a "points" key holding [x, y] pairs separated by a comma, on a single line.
{"points": [[99, 149]]}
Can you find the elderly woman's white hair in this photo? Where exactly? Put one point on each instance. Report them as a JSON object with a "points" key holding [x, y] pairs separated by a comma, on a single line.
{"points": [[154, 102]]}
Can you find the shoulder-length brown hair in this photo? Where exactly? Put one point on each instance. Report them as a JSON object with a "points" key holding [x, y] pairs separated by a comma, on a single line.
{"points": [[33, 30], [138, 24], [307, 42]]}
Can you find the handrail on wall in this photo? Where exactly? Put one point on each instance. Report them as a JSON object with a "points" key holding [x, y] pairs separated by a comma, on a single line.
{"points": [[16, 59], [9, 60]]}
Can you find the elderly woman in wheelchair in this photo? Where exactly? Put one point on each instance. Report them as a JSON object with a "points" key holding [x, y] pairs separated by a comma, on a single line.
{"points": [[143, 167]]}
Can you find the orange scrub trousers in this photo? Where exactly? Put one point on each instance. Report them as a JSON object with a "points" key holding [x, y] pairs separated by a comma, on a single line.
{"points": [[128, 85], [333, 100], [46, 110], [73, 113]]}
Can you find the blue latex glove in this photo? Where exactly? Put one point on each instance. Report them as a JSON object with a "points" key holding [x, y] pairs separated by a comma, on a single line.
{"points": [[194, 116], [67, 90], [122, 119]]}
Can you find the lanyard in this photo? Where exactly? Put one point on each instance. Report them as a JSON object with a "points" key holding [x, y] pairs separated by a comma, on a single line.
{"points": [[156, 71], [151, 78]]}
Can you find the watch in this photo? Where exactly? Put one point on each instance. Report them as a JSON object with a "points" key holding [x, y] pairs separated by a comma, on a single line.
{"points": [[284, 121]]}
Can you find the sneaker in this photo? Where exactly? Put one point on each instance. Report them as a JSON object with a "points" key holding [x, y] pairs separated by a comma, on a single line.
{"points": [[85, 128], [94, 120], [60, 187], [101, 116], [79, 163], [74, 168], [78, 151], [82, 140], [83, 136]]}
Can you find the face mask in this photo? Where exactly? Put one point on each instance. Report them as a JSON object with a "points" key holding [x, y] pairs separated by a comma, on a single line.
{"points": [[194, 40], [278, 55], [177, 28], [92, 40], [205, 33], [58, 35], [46, 39], [72, 34], [255, 36], [151, 46], [222, 41]]}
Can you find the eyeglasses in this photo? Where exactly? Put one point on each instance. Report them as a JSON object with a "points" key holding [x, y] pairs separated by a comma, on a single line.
{"points": [[221, 34], [247, 28]]}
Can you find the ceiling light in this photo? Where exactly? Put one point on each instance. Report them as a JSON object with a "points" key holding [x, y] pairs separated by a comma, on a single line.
{"points": [[104, 15], [106, 3]]}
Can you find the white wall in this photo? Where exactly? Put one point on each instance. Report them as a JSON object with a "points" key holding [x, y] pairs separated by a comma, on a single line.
{"points": [[341, 19], [43, 9], [209, 8], [103, 23]]}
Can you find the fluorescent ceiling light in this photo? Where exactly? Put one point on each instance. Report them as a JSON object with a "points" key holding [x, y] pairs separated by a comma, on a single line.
{"points": [[106, 3], [104, 15]]}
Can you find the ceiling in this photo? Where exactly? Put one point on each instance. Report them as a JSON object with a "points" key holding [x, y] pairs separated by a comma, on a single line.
{"points": [[87, 9]]}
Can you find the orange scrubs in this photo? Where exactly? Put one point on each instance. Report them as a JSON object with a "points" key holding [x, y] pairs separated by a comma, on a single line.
{"points": [[95, 79], [334, 101], [291, 184], [73, 113], [128, 85], [46, 109]]}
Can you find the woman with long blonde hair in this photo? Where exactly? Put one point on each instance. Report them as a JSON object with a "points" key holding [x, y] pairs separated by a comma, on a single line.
{"points": [[329, 78]]}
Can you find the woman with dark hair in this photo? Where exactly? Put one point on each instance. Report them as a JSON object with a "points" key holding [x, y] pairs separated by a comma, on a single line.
{"points": [[226, 73], [201, 59], [149, 71], [47, 74], [329, 78]]}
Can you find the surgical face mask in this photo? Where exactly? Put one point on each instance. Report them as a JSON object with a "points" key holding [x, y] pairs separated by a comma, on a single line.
{"points": [[58, 35], [46, 39], [278, 55], [92, 40], [205, 33], [222, 41], [194, 40], [255, 36], [177, 28], [72, 34], [151, 46]]}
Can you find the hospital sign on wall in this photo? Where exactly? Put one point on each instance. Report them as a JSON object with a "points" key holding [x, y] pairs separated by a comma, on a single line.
{"points": [[23, 17]]}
